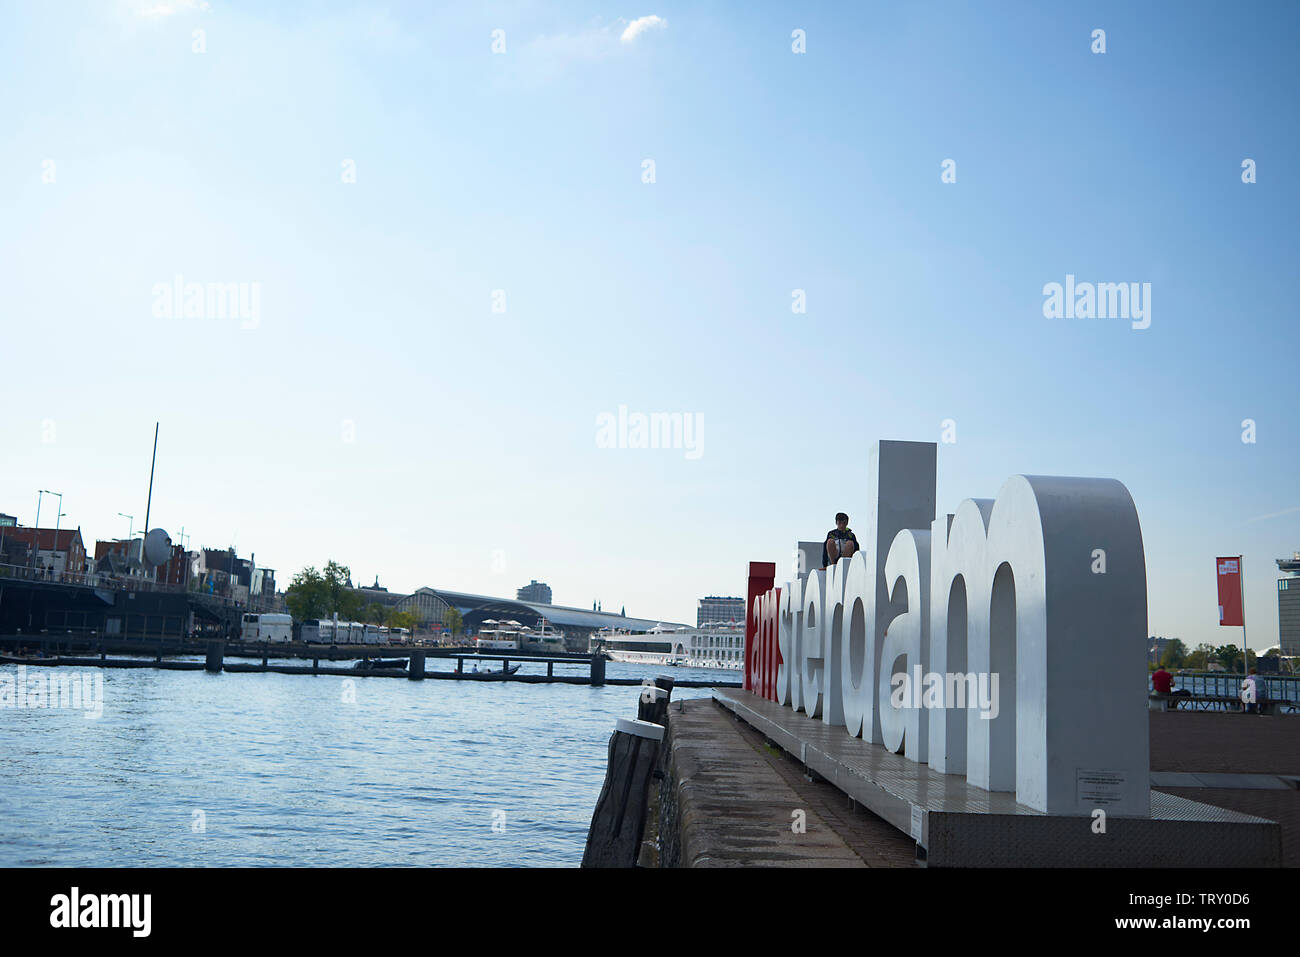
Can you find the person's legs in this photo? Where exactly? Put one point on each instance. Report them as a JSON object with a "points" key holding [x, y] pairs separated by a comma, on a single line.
{"points": [[848, 548], [832, 552]]}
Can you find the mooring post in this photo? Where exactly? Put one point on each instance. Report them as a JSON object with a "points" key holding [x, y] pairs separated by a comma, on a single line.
{"points": [[315, 664], [597, 670], [417, 666], [614, 838], [263, 654], [653, 704], [216, 657], [550, 669]]}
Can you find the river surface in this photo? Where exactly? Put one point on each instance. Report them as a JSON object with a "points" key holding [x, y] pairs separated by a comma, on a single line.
{"points": [[187, 769]]}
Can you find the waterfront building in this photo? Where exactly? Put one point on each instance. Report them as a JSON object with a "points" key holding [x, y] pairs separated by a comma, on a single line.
{"points": [[717, 645], [1288, 605], [576, 623], [536, 591], [220, 571], [379, 595], [429, 609], [1156, 648], [63, 549], [715, 608], [118, 558]]}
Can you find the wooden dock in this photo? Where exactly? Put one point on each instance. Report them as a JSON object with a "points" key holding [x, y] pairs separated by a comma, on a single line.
{"points": [[94, 653]]}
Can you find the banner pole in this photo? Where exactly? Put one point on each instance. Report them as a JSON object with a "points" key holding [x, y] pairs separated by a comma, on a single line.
{"points": [[1241, 581]]}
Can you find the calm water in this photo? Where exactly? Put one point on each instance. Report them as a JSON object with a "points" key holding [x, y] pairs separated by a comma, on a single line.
{"points": [[285, 772]]}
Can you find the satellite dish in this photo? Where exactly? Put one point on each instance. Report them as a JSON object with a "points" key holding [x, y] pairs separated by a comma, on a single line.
{"points": [[157, 547]]}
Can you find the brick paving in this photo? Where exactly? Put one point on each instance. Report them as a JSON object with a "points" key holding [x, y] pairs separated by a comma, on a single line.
{"points": [[1234, 743]]}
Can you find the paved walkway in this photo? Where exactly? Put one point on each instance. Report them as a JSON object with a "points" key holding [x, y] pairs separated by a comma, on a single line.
{"points": [[738, 800], [1217, 743], [737, 796]]}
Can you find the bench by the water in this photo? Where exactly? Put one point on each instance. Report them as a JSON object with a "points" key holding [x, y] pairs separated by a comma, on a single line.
{"points": [[1156, 701]]}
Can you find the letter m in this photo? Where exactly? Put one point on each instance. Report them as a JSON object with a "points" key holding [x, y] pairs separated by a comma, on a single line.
{"points": [[1112, 300], [665, 430]]}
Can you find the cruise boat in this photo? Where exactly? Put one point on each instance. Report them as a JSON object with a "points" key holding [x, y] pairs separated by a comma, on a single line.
{"points": [[496, 635], [661, 645], [541, 641]]}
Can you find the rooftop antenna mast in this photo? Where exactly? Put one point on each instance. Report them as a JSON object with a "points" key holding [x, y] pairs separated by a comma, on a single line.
{"points": [[152, 463]]}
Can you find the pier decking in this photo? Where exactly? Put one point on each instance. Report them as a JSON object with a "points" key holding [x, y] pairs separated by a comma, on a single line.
{"points": [[955, 824]]}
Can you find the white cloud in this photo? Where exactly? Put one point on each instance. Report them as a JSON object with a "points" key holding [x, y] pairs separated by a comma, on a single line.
{"points": [[1285, 511], [640, 25], [550, 55]]}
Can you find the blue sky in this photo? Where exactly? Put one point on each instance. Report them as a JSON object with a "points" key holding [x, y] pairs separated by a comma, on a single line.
{"points": [[379, 411]]}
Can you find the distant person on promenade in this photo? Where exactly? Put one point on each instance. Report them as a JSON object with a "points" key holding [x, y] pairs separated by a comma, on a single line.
{"points": [[840, 541], [1162, 682]]}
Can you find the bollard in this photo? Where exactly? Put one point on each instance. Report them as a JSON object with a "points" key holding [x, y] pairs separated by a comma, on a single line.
{"points": [[417, 666], [597, 670], [216, 657], [652, 706], [614, 838]]}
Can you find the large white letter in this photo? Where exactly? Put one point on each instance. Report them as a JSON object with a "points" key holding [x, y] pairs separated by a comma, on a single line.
{"points": [[810, 664], [955, 576], [907, 580], [901, 485], [787, 672]]}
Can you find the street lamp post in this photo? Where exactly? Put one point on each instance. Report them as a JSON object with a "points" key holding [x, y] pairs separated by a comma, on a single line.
{"points": [[37, 535], [58, 518], [36, 531]]}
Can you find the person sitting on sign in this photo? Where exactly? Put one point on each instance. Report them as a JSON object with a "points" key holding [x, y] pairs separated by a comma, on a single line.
{"points": [[840, 541]]}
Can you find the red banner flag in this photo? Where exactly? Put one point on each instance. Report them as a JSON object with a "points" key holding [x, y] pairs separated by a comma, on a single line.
{"points": [[1229, 575]]}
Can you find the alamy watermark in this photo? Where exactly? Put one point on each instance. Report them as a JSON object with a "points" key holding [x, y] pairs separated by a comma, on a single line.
{"points": [[657, 430], [1103, 300], [179, 299], [953, 689], [77, 690]]}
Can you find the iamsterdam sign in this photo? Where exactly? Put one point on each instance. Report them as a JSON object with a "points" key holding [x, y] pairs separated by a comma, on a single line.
{"points": [[1004, 641]]}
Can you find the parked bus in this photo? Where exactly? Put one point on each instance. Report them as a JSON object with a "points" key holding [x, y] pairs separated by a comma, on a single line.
{"points": [[324, 631], [261, 627]]}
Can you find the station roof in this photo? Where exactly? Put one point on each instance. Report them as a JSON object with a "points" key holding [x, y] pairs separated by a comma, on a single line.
{"points": [[559, 615]]}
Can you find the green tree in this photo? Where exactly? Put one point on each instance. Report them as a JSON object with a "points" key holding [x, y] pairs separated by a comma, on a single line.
{"points": [[1175, 654], [1199, 659], [375, 614], [402, 619], [1229, 656], [308, 595], [314, 594], [338, 581], [453, 620]]}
